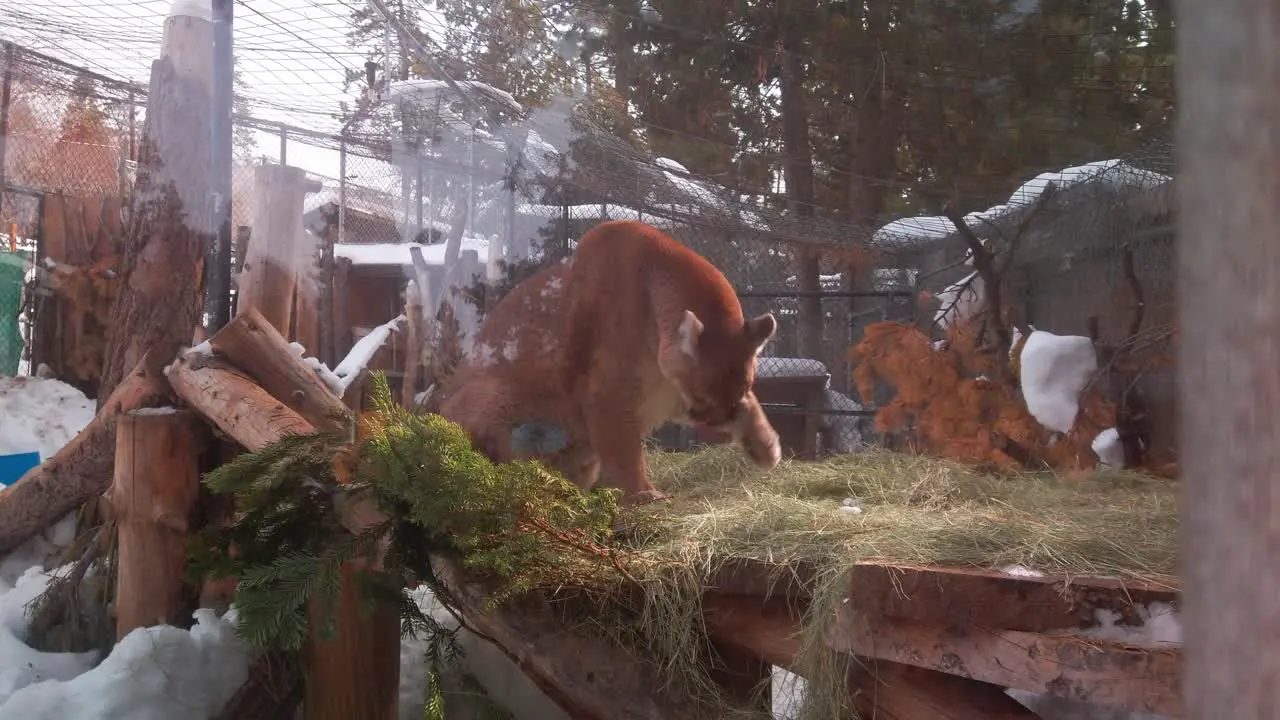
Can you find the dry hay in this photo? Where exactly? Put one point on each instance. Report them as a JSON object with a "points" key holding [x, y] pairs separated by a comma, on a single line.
{"points": [[916, 510]]}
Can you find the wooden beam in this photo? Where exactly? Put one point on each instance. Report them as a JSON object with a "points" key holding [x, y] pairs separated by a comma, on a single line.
{"points": [[893, 691], [1094, 671], [994, 599]]}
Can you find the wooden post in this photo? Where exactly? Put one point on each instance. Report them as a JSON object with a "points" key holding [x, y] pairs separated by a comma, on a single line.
{"points": [[1229, 396], [357, 673], [412, 344], [156, 488], [342, 341], [271, 267]]}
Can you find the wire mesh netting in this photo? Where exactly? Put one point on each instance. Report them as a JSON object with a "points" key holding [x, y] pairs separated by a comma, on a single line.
{"points": [[810, 154]]}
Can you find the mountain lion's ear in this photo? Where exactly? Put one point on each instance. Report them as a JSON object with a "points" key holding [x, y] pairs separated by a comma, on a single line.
{"points": [[689, 332], [760, 330]]}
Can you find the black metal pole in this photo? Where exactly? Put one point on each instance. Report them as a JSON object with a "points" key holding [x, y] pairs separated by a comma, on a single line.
{"points": [[218, 260]]}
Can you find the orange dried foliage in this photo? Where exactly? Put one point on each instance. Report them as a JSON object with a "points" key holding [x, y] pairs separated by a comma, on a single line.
{"points": [[950, 402]]}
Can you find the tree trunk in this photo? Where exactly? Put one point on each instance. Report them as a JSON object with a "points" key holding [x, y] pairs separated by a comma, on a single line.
{"points": [[156, 488], [83, 467], [1229, 304], [798, 171], [161, 289]]}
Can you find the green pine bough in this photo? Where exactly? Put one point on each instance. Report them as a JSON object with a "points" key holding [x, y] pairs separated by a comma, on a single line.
{"points": [[516, 526]]}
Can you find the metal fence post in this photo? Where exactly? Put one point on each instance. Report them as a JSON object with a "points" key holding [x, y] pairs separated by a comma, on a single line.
{"points": [[342, 189], [217, 306]]}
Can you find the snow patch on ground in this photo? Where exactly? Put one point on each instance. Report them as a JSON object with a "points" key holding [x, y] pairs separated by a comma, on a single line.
{"points": [[39, 414]]}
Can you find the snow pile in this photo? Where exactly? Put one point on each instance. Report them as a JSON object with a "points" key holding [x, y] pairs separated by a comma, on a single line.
{"points": [[154, 673], [398, 253], [38, 414], [1054, 371], [38, 551], [20, 665]]}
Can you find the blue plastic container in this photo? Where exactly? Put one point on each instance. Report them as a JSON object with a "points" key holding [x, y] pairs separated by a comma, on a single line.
{"points": [[13, 467]]}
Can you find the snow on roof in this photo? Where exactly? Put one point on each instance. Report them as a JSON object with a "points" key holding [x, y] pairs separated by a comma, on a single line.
{"points": [[596, 211], [425, 89], [790, 367], [1116, 173], [398, 253]]}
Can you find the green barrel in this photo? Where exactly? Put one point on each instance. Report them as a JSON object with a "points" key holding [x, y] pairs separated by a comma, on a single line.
{"points": [[11, 272]]}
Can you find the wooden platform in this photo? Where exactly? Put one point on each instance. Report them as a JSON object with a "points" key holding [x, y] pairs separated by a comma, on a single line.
{"points": [[944, 643]]}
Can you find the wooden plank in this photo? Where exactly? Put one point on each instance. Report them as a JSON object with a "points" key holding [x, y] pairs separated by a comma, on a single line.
{"points": [[1094, 671], [995, 599], [742, 677], [893, 691], [766, 629], [769, 630], [764, 580]]}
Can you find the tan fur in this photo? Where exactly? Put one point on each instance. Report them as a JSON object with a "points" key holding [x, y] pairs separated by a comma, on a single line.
{"points": [[634, 331]]}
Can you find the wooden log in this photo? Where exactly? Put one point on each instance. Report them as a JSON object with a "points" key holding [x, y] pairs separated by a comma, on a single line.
{"points": [[994, 599], [82, 469], [306, 306], [584, 673], [161, 286], [253, 345], [156, 489], [233, 402], [1089, 670]]}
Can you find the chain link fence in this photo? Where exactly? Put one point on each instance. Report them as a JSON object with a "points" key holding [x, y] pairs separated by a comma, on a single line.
{"points": [[518, 186]]}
